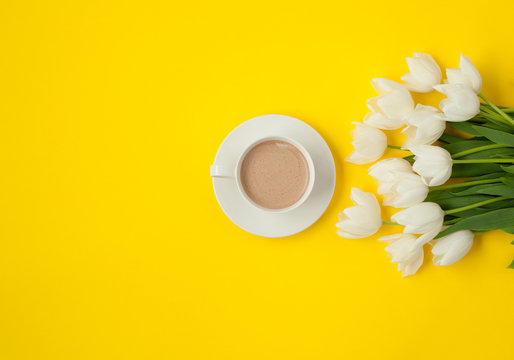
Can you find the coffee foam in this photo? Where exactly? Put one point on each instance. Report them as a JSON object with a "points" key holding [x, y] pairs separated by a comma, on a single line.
{"points": [[274, 174]]}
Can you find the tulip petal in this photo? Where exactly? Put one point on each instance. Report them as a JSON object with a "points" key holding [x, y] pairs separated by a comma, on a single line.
{"points": [[413, 267], [471, 72], [451, 248], [462, 103], [383, 169], [399, 252], [395, 105], [421, 218], [363, 219], [383, 86], [348, 235], [424, 73], [432, 163], [369, 144], [379, 121]]}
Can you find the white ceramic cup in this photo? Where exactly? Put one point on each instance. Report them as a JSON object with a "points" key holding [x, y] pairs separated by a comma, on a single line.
{"points": [[234, 173]]}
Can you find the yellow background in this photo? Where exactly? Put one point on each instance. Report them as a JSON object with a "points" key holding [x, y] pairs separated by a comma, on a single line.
{"points": [[112, 243]]}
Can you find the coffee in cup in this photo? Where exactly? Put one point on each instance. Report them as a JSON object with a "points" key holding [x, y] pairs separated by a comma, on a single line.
{"points": [[274, 174]]}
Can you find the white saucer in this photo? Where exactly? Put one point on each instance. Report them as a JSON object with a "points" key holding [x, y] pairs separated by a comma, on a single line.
{"points": [[257, 221]]}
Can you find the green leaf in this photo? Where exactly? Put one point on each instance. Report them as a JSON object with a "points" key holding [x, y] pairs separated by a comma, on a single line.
{"points": [[506, 152], [508, 180], [510, 230], [511, 266], [498, 125], [508, 168], [465, 170], [447, 203], [499, 137], [486, 208], [472, 190], [463, 145], [447, 138], [499, 190], [466, 127], [409, 158], [506, 188], [494, 175], [496, 219]]}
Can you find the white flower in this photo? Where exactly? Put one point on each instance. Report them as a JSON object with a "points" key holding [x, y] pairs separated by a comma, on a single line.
{"points": [[424, 73], [424, 126], [362, 220], [462, 103], [384, 169], [451, 248], [433, 163], [385, 172], [408, 190], [369, 144], [425, 218], [400, 252], [390, 106], [398, 183], [467, 75]]}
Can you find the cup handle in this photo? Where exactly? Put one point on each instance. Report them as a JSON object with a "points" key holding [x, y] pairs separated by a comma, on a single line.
{"points": [[222, 171]]}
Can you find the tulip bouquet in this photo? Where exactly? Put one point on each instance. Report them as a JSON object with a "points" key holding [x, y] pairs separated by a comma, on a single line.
{"points": [[450, 188]]}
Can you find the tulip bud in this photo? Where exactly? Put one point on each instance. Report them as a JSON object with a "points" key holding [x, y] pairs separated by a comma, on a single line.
{"points": [[424, 73], [451, 248], [432, 163], [362, 220], [407, 190], [369, 144], [424, 126], [461, 103], [425, 218], [392, 104], [467, 75], [384, 170], [400, 252]]}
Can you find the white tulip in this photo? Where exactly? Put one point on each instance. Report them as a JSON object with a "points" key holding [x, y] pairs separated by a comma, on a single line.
{"points": [[385, 172], [424, 73], [467, 75], [425, 218], [451, 248], [432, 163], [384, 169], [424, 126], [400, 252], [362, 220], [398, 183], [369, 144], [461, 103], [408, 190], [392, 104]]}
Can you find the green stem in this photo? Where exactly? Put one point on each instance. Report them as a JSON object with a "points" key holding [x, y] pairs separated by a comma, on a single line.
{"points": [[503, 108], [389, 223], [475, 205], [453, 221], [394, 147], [497, 109], [466, 183], [477, 149], [489, 115], [483, 161]]}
